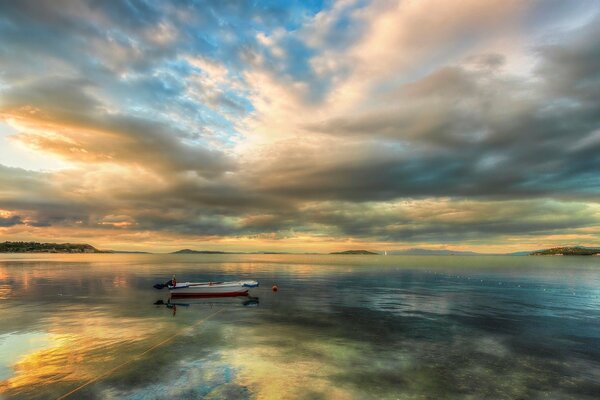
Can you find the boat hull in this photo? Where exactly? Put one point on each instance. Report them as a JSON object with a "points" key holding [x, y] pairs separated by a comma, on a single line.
{"points": [[187, 295], [212, 289]]}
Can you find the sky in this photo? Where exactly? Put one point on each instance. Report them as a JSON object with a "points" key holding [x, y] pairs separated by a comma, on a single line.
{"points": [[301, 126]]}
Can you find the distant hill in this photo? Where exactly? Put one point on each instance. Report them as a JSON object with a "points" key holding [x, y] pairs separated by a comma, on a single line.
{"points": [[568, 251], [35, 247], [189, 251], [355, 252], [429, 252]]}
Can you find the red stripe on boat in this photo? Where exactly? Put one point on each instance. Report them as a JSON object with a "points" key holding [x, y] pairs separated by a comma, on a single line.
{"points": [[234, 294]]}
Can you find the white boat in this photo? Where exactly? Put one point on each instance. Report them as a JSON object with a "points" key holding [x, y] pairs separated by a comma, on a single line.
{"points": [[216, 289]]}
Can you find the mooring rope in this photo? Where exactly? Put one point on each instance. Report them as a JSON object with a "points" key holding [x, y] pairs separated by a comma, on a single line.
{"points": [[136, 358]]}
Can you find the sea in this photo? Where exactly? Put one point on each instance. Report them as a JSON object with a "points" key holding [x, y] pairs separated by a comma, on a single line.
{"points": [[91, 326]]}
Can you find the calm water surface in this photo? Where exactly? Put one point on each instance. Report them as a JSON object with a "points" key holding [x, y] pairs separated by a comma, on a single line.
{"points": [[340, 327]]}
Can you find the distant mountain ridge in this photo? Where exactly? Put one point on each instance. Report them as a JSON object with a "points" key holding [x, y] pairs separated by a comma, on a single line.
{"points": [[190, 251], [430, 252]]}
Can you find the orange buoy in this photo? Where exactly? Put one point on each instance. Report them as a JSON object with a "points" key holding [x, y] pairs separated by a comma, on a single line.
{"points": [[275, 288]]}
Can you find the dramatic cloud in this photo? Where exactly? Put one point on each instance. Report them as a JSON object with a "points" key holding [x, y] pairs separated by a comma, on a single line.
{"points": [[382, 123], [10, 221]]}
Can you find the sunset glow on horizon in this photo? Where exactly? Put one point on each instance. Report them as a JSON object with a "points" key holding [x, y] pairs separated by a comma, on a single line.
{"points": [[300, 126]]}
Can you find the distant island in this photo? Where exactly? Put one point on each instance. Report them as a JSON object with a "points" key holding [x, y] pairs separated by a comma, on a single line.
{"points": [[35, 247], [190, 251], [568, 251], [355, 252]]}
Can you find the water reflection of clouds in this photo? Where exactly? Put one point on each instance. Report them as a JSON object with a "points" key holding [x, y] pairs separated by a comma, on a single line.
{"points": [[206, 378], [334, 331], [80, 346], [14, 345], [401, 302], [463, 295], [296, 365], [42, 283]]}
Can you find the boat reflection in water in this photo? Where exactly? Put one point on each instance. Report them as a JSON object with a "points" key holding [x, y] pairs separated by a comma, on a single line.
{"points": [[211, 301]]}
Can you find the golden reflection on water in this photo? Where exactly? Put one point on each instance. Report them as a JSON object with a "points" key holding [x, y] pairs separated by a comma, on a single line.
{"points": [[120, 282], [299, 365], [79, 349], [5, 291], [42, 367]]}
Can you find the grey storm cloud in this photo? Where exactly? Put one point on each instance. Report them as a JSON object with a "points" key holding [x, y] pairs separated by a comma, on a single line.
{"points": [[453, 220], [36, 200], [460, 132], [10, 221]]}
